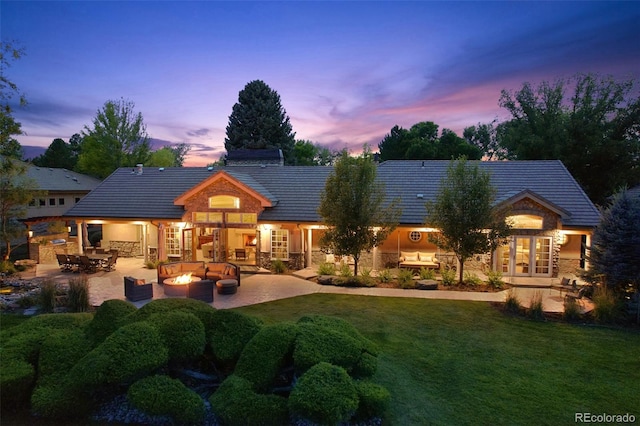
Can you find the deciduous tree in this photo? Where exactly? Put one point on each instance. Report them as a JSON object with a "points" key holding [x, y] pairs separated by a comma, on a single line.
{"points": [[465, 213], [595, 132], [353, 206], [258, 121], [118, 138]]}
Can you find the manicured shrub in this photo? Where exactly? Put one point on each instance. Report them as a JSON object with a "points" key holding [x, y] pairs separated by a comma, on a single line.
{"points": [[131, 351], [373, 400], [366, 366], [52, 396], [324, 394], [17, 378], [202, 310], [327, 268], [108, 318], [236, 403], [265, 354], [182, 332], [162, 395], [341, 325], [48, 290], [315, 344], [231, 333], [78, 295]]}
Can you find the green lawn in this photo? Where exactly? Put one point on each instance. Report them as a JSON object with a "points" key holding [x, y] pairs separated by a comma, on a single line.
{"points": [[455, 362]]}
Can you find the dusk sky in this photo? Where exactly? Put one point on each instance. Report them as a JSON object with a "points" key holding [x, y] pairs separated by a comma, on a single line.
{"points": [[346, 72]]}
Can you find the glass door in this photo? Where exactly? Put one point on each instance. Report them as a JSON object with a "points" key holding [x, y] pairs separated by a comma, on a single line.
{"points": [[527, 256], [188, 243], [522, 253]]}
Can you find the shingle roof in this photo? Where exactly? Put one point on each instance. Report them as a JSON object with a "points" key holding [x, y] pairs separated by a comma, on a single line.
{"points": [[57, 179], [297, 189]]}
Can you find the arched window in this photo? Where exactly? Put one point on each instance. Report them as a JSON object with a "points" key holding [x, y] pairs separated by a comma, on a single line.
{"points": [[525, 221], [224, 202]]}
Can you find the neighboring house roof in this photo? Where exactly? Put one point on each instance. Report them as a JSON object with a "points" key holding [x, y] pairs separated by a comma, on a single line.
{"points": [[295, 191], [61, 180]]}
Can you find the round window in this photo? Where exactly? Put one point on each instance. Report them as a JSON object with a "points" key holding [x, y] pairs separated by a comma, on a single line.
{"points": [[415, 236]]}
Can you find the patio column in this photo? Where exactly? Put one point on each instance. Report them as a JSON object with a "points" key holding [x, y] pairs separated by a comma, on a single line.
{"points": [[145, 243], [80, 226], [309, 245], [587, 252], [161, 237]]}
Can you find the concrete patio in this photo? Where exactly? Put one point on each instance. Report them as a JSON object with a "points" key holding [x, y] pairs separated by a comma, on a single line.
{"points": [[265, 287]]}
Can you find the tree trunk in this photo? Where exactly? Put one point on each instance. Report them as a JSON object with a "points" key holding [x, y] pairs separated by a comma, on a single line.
{"points": [[461, 262], [355, 266]]}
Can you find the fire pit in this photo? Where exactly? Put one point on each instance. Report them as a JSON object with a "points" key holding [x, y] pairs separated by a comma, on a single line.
{"points": [[177, 286]]}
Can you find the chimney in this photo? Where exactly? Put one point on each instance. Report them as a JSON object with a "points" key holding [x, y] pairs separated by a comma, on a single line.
{"points": [[138, 169]]}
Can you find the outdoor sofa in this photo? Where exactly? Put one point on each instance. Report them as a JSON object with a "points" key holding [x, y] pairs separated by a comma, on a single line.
{"points": [[418, 259], [206, 271]]}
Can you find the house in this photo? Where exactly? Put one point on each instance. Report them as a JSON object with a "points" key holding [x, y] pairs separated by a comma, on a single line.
{"points": [[270, 212]]}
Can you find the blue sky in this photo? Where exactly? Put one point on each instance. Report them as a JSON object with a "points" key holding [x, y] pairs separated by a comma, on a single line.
{"points": [[346, 72]]}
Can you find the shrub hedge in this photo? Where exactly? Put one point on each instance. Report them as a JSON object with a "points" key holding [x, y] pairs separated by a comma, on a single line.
{"points": [[324, 394], [231, 333], [162, 395], [374, 400], [236, 403], [317, 344], [182, 332], [108, 317], [266, 353], [130, 352]]}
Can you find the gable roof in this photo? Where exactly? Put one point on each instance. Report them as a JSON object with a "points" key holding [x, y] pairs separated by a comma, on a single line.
{"points": [[295, 190], [243, 182]]}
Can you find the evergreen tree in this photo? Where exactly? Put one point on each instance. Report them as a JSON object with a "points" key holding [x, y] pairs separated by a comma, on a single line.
{"points": [[258, 121], [615, 250], [59, 154]]}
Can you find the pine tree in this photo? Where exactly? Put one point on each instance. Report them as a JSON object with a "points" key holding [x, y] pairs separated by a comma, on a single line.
{"points": [[258, 121]]}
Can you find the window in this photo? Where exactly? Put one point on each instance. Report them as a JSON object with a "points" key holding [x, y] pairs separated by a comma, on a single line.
{"points": [[42, 202], [415, 236], [526, 221], [52, 201], [61, 201], [280, 244], [224, 202], [245, 218], [172, 241], [207, 217], [77, 199]]}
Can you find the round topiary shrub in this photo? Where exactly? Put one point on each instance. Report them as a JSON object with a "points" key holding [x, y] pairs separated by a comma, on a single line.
{"points": [[324, 394], [131, 351], [162, 395], [321, 344], [266, 354], [344, 326], [108, 317], [236, 403], [231, 333], [200, 309], [374, 400], [183, 334], [17, 377]]}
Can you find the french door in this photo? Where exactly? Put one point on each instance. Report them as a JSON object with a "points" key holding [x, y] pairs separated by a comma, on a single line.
{"points": [[526, 256]]}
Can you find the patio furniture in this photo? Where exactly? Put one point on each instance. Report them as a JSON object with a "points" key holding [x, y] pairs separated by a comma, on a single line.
{"points": [[229, 286], [109, 264], [222, 271], [201, 290], [135, 289], [63, 262], [241, 254], [173, 289], [418, 259], [87, 265]]}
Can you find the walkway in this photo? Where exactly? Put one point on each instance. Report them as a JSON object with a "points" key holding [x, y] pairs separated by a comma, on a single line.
{"points": [[260, 288]]}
